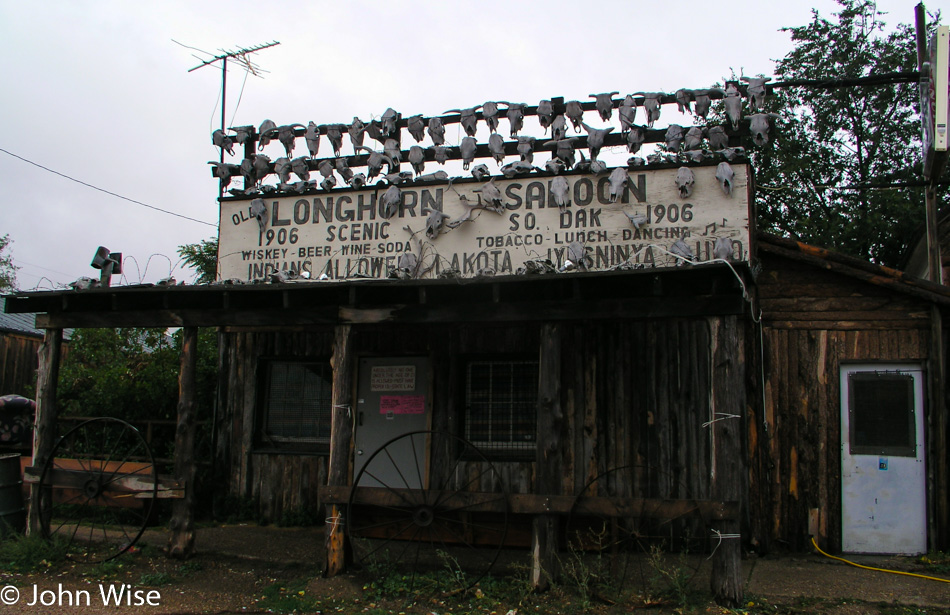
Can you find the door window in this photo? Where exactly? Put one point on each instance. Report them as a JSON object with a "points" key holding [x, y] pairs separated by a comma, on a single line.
{"points": [[882, 414]]}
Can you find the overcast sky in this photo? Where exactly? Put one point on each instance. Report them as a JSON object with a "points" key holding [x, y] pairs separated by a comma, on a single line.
{"points": [[100, 92]]}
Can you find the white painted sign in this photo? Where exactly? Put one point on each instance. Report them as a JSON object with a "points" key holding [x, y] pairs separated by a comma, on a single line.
{"points": [[393, 378], [342, 234]]}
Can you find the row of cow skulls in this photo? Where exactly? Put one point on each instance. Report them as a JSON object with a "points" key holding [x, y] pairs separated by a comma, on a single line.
{"points": [[385, 129]]}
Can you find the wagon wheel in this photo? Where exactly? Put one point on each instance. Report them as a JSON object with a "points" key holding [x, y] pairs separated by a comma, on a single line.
{"points": [[411, 532], [619, 548], [98, 489]]}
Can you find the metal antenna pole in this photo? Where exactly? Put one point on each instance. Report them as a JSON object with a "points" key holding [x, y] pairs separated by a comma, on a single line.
{"points": [[240, 56]]}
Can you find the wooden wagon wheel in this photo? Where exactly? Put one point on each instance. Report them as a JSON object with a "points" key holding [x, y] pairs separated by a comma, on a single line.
{"points": [[622, 544], [98, 489], [404, 527]]}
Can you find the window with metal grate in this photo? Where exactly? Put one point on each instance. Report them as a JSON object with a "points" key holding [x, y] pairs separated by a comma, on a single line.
{"points": [[295, 406], [501, 399]]}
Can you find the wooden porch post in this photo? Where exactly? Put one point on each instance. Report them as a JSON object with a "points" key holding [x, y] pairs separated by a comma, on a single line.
{"points": [[548, 475], [729, 418], [341, 436], [44, 424], [181, 543]]}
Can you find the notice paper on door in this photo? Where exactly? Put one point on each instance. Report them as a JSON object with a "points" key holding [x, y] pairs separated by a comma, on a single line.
{"points": [[393, 378], [402, 404]]}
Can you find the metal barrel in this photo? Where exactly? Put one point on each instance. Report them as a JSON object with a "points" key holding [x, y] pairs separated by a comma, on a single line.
{"points": [[12, 513]]}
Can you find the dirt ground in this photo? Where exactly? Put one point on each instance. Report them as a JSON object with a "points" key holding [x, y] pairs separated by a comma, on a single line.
{"points": [[254, 569]]}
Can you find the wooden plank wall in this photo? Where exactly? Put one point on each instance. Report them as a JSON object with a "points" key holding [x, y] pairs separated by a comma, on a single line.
{"points": [[280, 483], [18, 364], [814, 321], [635, 395]]}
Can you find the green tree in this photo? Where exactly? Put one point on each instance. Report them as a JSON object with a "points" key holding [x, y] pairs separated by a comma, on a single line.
{"points": [[203, 258], [128, 373], [7, 268], [831, 143], [132, 374]]}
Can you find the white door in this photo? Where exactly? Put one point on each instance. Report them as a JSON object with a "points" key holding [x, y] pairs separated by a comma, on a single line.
{"points": [[392, 399], [883, 486]]}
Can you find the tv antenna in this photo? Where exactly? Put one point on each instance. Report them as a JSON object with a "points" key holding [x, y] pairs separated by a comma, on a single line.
{"points": [[241, 57]]}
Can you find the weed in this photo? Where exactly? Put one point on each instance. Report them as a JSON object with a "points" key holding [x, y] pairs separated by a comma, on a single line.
{"points": [[936, 561], [299, 517], [155, 579], [900, 609], [189, 568], [106, 570], [671, 580], [31, 553], [239, 509], [289, 597]]}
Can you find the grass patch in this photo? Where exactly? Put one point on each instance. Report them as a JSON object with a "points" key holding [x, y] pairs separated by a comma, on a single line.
{"points": [[107, 570], [290, 597], [31, 553], [938, 562], [189, 568], [299, 517], [155, 579]]}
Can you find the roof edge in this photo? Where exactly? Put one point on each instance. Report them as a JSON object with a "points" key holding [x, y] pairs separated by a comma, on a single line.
{"points": [[854, 267]]}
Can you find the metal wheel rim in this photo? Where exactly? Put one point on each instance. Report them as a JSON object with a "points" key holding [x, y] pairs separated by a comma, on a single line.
{"points": [[427, 522], [95, 532], [627, 545]]}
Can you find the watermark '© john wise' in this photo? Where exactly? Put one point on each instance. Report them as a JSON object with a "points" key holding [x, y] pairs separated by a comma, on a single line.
{"points": [[106, 595]]}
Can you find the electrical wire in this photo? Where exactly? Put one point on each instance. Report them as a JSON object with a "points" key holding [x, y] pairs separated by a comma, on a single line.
{"points": [[124, 198], [901, 572]]}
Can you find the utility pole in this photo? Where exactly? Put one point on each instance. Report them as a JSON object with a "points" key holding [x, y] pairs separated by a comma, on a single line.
{"points": [[240, 56]]}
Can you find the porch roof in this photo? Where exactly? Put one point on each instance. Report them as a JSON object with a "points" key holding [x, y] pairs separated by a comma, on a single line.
{"points": [[703, 289]]}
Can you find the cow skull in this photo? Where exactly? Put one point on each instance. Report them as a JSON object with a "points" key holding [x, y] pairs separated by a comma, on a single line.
{"points": [[685, 180], [575, 113], [312, 137], [515, 114], [617, 182], [757, 91], [604, 104], [357, 131], [559, 191], [416, 127], [725, 175], [595, 139], [467, 149], [759, 127], [436, 131], [389, 202]]}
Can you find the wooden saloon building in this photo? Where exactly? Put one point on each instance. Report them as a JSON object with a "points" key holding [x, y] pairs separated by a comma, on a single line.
{"points": [[775, 391]]}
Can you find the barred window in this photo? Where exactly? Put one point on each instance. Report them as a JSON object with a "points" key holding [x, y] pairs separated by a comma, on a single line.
{"points": [[501, 399], [296, 406]]}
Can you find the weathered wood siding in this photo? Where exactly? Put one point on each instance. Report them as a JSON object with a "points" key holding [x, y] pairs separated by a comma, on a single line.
{"points": [[635, 395], [813, 321], [18, 364], [280, 482]]}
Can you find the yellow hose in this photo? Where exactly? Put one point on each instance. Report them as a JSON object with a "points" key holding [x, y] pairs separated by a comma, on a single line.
{"points": [[906, 574]]}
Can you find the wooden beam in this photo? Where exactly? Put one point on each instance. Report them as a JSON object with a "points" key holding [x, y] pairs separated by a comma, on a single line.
{"points": [[44, 424], [341, 438], [544, 527], [509, 311], [128, 483], [728, 397], [531, 504], [937, 441], [181, 542]]}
